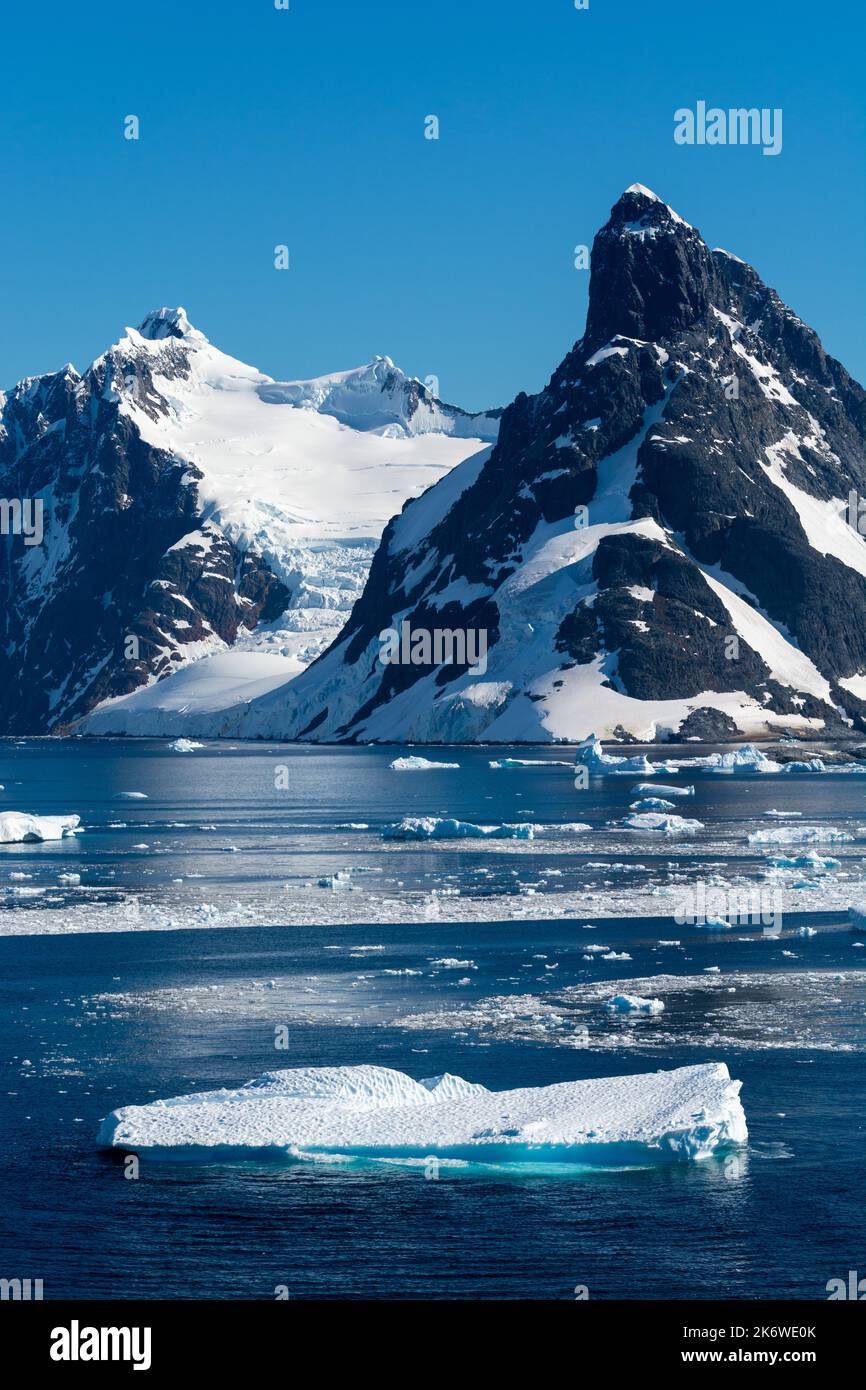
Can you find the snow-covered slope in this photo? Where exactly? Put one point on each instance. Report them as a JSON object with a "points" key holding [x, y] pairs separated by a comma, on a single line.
{"points": [[191, 507], [380, 397], [653, 546], [373, 1112]]}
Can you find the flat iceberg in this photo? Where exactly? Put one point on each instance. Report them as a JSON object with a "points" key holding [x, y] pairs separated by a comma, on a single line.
{"points": [[184, 745], [440, 828], [372, 1113], [857, 917], [657, 789], [799, 835], [661, 821], [16, 827], [529, 762], [810, 860], [413, 764]]}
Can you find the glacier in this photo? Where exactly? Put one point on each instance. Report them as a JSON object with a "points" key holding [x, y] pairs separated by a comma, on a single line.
{"points": [[303, 474], [382, 1115]]}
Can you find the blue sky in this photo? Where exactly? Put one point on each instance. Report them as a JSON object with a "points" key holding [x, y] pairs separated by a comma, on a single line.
{"points": [[455, 257]]}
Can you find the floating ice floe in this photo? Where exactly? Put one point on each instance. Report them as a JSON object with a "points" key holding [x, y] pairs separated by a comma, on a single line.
{"points": [[749, 761], [529, 762], [658, 789], [184, 745], [746, 761], [652, 803], [591, 755], [660, 821], [414, 764], [800, 835], [341, 879], [17, 827], [810, 860], [131, 796], [634, 1004], [439, 828], [371, 1113]]}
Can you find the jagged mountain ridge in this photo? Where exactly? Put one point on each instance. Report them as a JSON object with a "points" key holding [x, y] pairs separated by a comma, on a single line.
{"points": [[712, 443], [191, 508]]}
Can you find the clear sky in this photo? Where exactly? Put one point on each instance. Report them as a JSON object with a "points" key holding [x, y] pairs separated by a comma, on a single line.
{"points": [[305, 127]]}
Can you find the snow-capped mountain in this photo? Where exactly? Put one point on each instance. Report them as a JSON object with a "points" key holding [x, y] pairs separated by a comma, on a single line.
{"points": [[657, 543], [193, 513], [382, 398]]}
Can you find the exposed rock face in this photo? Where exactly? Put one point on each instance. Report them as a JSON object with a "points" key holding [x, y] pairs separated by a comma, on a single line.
{"points": [[125, 579], [654, 544]]}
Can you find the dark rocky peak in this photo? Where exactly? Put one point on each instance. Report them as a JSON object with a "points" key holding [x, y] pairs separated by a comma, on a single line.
{"points": [[168, 323], [652, 275]]}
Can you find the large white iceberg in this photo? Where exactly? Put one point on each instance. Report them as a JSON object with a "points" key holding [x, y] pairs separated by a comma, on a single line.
{"points": [[375, 1113], [745, 761], [17, 827]]}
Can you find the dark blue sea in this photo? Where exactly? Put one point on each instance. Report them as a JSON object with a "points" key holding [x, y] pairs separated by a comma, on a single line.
{"points": [[230, 899]]}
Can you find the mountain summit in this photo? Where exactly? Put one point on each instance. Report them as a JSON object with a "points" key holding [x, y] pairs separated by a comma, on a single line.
{"points": [[655, 546], [652, 275]]}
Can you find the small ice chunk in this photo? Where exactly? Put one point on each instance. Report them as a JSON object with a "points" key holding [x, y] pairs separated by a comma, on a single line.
{"points": [[633, 1003], [659, 789], [413, 764]]}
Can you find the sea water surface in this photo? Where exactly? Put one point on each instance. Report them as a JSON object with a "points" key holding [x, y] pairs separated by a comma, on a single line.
{"points": [[250, 890]]}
